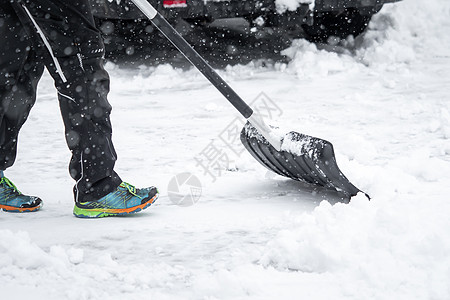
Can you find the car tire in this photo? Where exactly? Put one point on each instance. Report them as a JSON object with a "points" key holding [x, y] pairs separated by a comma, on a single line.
{"points": [[333, 24]]}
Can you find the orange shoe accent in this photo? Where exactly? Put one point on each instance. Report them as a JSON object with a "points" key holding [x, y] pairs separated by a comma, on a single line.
{"points": [[19, 209], [127, 210]]}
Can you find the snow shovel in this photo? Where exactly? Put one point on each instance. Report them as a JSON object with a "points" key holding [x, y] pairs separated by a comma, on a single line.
{"points": [[294, 155]]}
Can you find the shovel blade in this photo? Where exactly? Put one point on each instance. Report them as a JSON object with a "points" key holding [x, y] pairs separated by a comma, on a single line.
{"points": [[302, 157]]}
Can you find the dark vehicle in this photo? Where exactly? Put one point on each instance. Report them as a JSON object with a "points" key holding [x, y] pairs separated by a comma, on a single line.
{"points": [[317, 22]]}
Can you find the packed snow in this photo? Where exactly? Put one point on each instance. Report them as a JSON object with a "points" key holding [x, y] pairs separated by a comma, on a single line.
{"points": [[292, 5], [382, 99]]}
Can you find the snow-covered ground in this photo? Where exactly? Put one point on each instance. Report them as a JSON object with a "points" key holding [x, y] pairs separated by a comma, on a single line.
{"points": [[382, 100]]}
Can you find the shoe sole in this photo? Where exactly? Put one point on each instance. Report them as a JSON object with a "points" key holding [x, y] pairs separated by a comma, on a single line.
{"points": [[20, 209], [101, 213]]}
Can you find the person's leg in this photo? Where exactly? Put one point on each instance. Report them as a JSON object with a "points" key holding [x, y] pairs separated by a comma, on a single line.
{"points": [[20, 72], [73, 51], [86, 115]]}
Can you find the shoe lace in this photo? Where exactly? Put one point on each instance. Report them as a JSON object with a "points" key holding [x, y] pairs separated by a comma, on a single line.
{"points": [[9, 183], [131, 188]]}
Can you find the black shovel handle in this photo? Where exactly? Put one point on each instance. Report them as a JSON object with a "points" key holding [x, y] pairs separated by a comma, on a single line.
{"points": [[178, 41]]}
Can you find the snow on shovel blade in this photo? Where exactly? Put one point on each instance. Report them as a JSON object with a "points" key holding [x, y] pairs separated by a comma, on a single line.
{"points": [[302, 157]]}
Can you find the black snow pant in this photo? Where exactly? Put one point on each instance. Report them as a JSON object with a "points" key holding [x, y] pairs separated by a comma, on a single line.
{"points": [[61, 36]]}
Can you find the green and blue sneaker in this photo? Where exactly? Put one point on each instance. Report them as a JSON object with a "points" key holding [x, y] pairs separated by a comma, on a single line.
{"points": [[126, 199], [12, 200]]}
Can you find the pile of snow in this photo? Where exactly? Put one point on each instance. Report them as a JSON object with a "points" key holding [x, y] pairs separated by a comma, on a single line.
{"points": [[373, 250], [397, 36], [292, 5], [43, 270], [395, 245]]}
